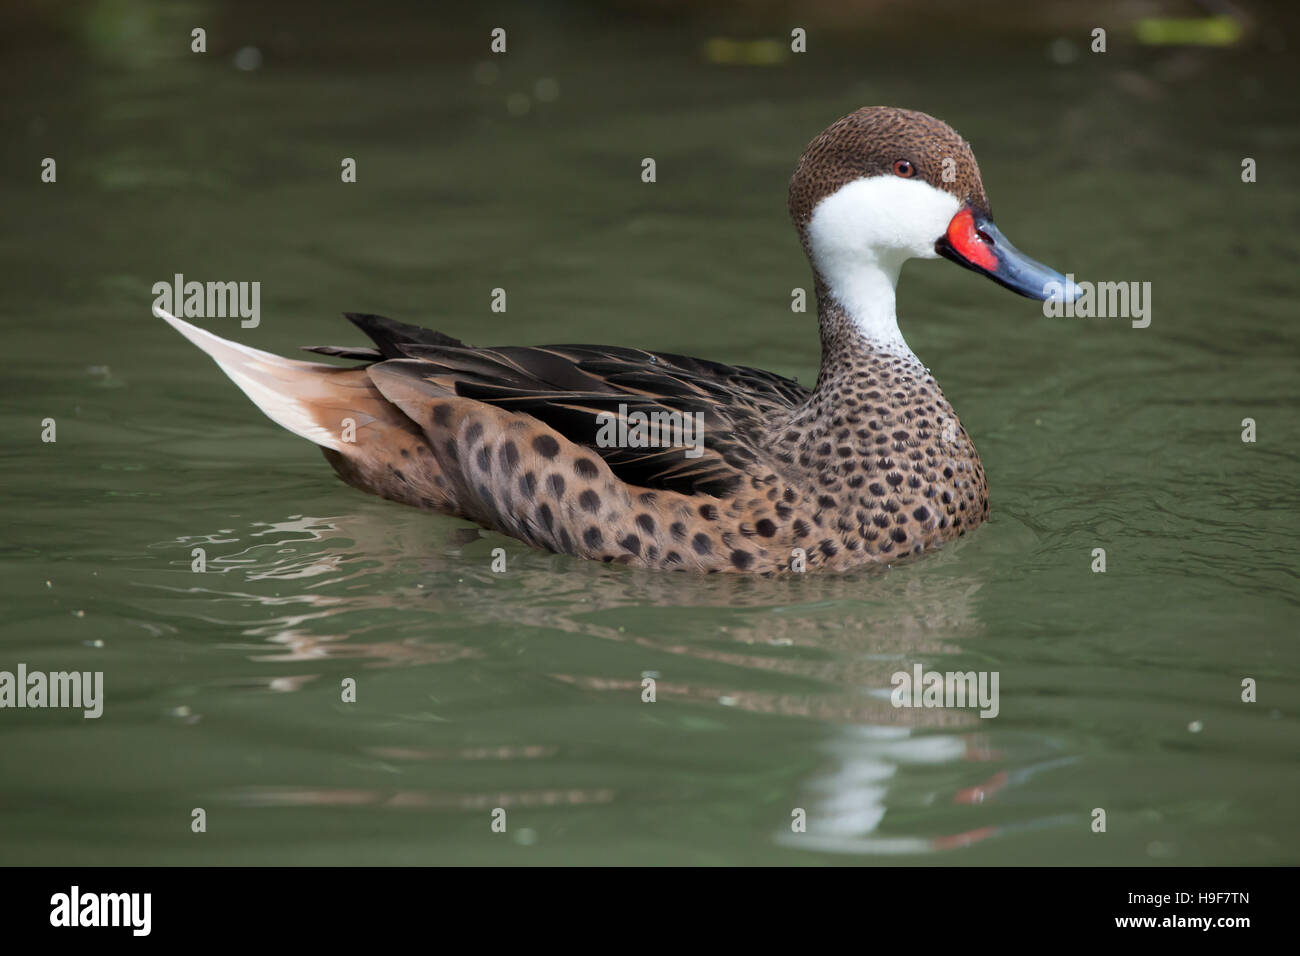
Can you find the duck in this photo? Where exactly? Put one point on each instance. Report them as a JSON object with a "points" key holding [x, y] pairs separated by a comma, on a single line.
{"points": [[664, 461]]}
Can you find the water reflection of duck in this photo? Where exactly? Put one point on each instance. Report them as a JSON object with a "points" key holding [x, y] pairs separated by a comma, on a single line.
{"points": [[771, 646]]}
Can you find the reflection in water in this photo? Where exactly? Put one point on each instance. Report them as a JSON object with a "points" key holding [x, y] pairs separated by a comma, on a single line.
{"points": [[834, 643], [847, 804], [416, 799], [849, 639], [304, 635]]}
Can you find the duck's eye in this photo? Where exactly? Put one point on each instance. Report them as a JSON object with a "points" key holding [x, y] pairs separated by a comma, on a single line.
{"points": [[903, 168]]}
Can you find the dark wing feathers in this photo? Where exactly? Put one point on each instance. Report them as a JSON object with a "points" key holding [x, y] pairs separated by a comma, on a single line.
{"points": [[529, 368], [343, 351], [388, 335], [576, 388]]}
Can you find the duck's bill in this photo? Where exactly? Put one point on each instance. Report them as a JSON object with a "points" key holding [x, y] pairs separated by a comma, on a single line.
{"points": [[974, 242]]}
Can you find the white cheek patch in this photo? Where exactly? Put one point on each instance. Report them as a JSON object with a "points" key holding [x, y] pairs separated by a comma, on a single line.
{"points": [[884, 215], [861, 235]]}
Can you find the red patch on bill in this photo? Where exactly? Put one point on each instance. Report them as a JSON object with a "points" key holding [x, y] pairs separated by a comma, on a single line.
{"points": [[967, 242]]}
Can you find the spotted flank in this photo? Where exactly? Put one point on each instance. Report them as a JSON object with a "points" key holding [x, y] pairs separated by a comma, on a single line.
{"points": [[869, 466]]}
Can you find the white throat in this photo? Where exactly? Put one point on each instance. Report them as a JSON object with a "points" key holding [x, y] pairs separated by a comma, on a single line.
{"points": [[866, 294], [861, 235]]}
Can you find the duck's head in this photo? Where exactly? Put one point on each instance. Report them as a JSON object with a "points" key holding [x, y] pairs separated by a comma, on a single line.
{"points": [[883, 185]]}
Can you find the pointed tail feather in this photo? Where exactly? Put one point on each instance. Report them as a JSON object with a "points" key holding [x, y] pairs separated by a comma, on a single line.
{"points": [[286, 390], [368, 439]]}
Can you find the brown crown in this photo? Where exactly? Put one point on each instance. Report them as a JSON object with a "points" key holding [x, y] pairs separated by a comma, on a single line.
{"points": [[868, 142]]}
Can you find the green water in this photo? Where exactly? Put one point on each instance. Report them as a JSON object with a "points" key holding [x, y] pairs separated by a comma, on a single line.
{"points": [[476, 690]]}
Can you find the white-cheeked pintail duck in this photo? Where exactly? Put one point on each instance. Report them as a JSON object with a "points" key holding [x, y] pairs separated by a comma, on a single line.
{"points": [[869, 466]]}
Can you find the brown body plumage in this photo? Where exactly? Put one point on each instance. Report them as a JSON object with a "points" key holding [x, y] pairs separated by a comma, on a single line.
{"points": [[869, 466]]}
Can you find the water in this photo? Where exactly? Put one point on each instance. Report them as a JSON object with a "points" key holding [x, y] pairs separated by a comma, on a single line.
{"points": [[522, 690]]}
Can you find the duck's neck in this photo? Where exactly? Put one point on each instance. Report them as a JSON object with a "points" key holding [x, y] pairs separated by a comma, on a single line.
{"points": [[858, 323], [866, 367], [864, 297]]}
